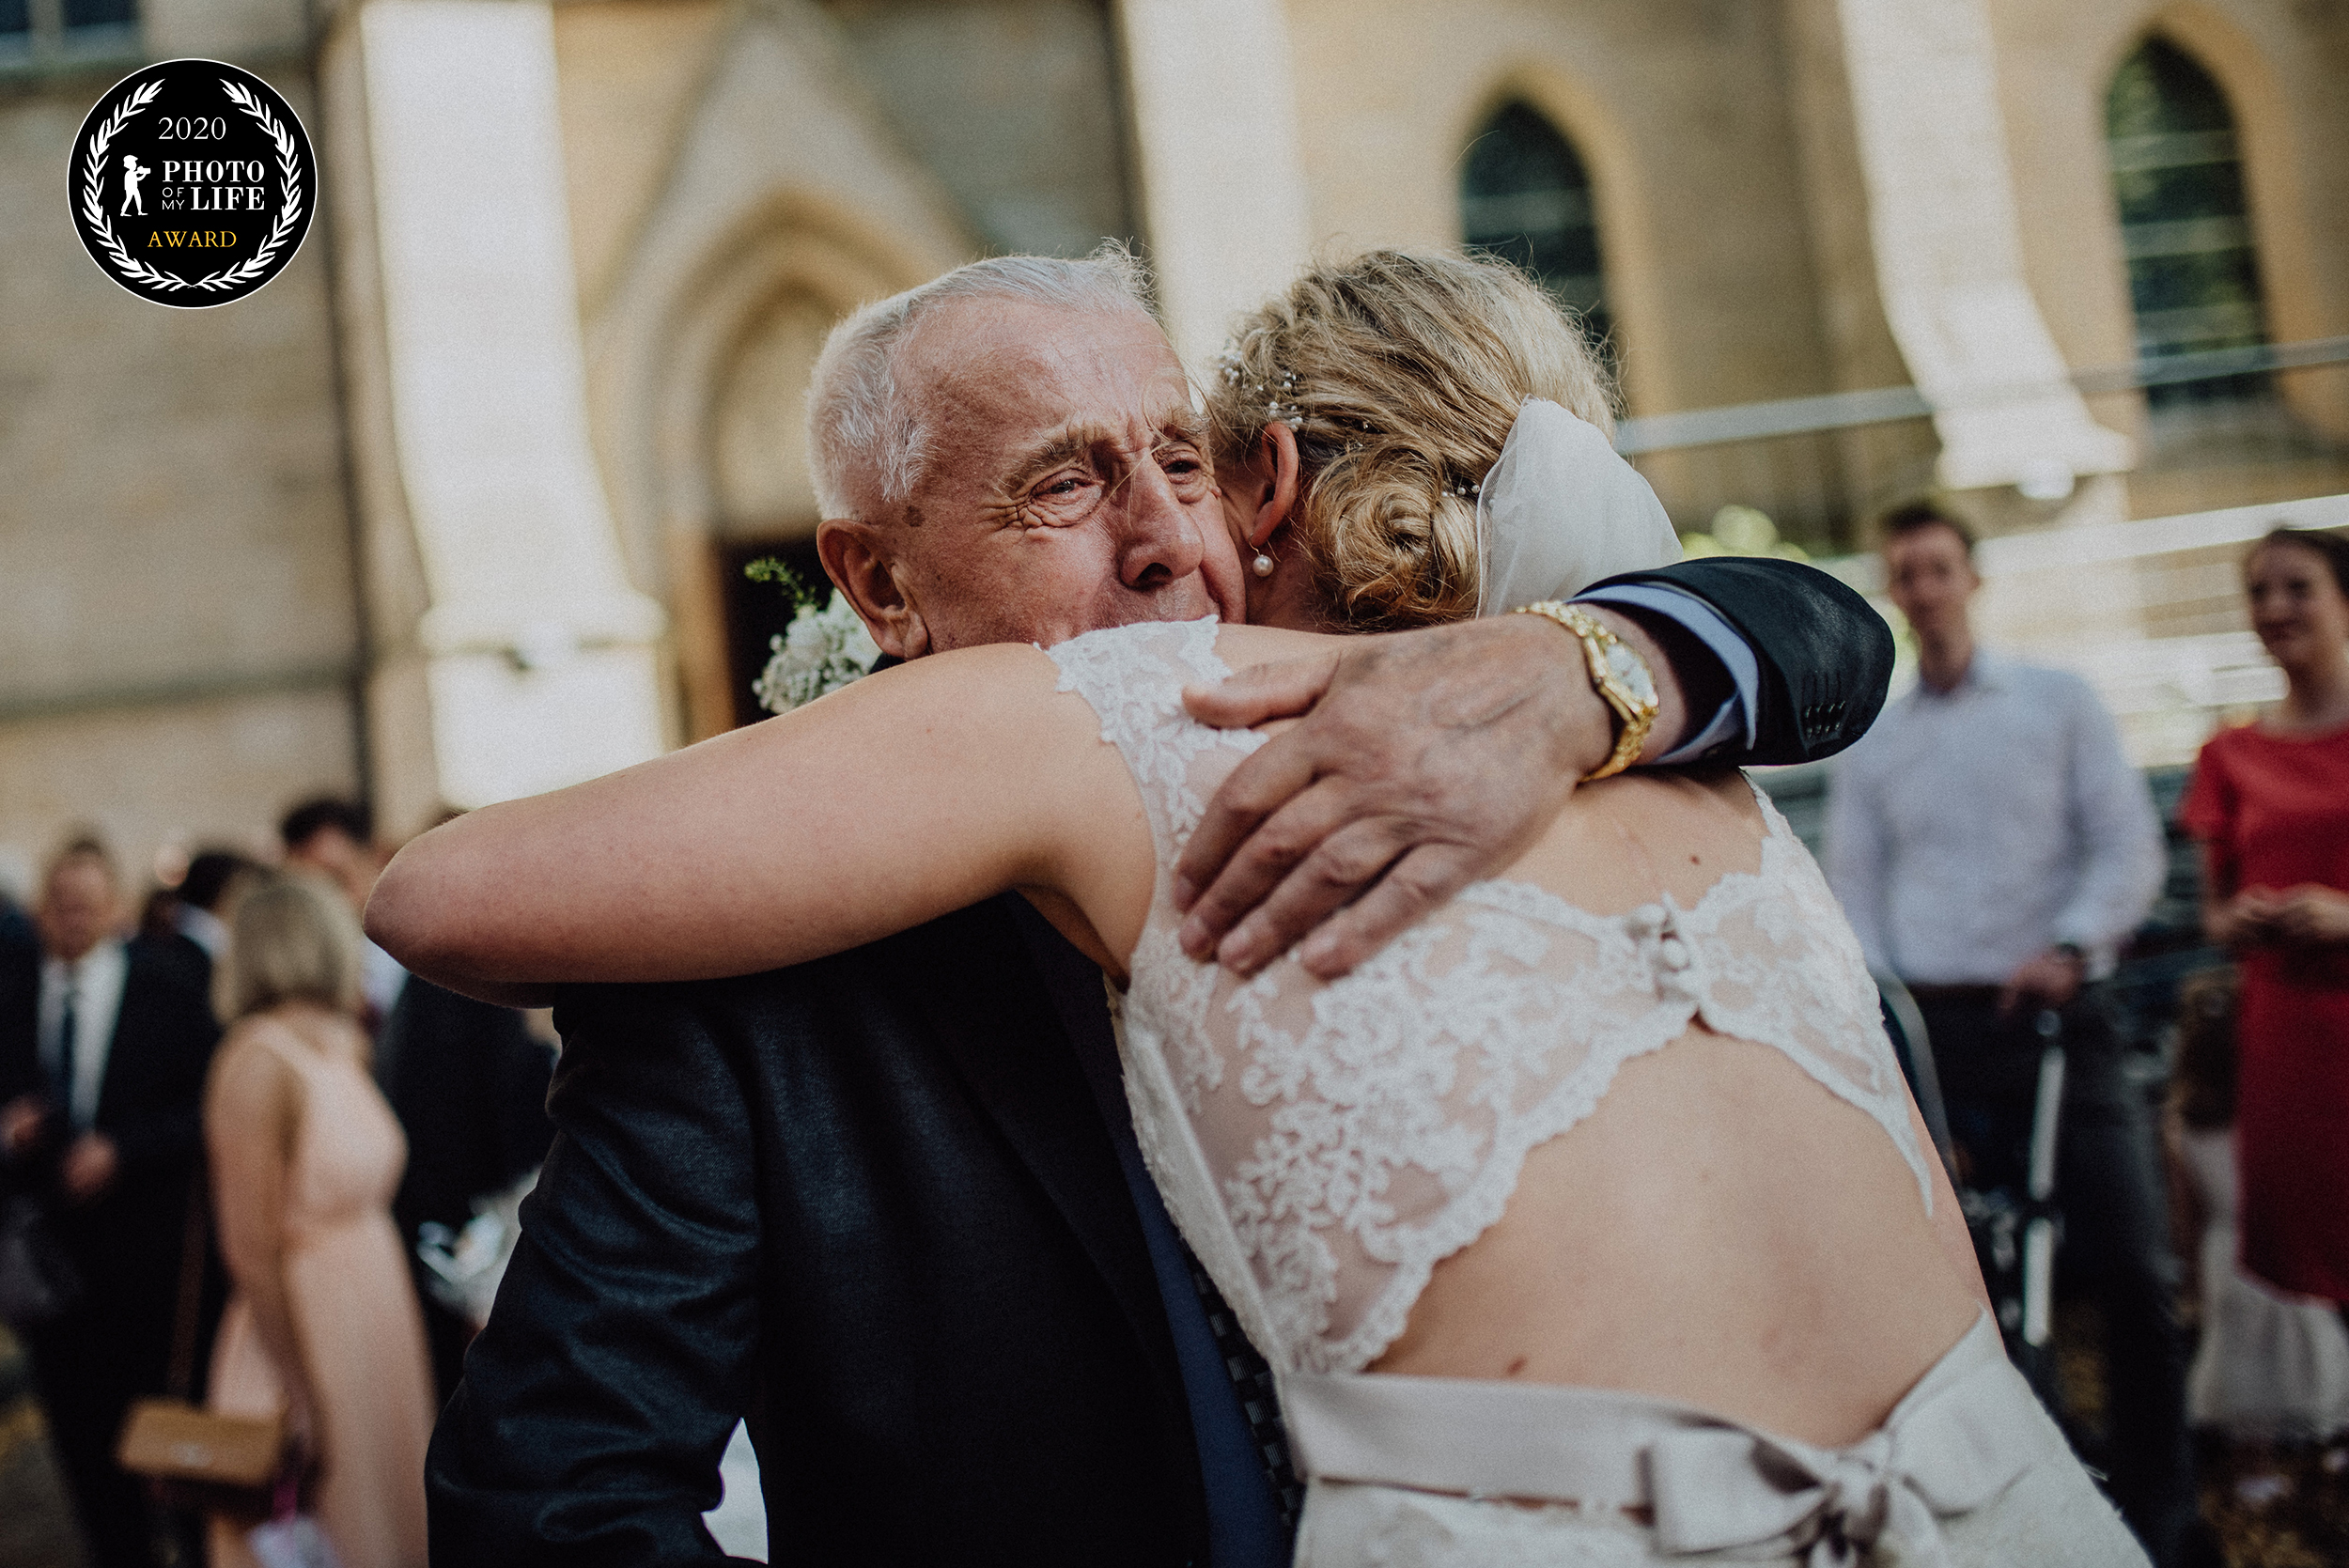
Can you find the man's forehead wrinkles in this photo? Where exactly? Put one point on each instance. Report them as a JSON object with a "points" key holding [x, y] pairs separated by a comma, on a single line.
{"points": [[1130, 437]]}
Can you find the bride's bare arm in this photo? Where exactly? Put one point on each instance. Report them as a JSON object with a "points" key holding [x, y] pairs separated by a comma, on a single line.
{"points": [[912, 793]]}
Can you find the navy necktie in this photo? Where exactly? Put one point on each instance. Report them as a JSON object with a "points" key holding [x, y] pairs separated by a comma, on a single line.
{"points": [[66, 1031]]}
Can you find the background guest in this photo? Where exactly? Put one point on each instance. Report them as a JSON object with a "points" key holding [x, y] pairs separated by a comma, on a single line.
{"points": [[467, 1080], [2269, 1365], [17, 938], [335, 839], [103, 1049], [2270, 802], [1993, 849], [204, 893], [306, 1155]]}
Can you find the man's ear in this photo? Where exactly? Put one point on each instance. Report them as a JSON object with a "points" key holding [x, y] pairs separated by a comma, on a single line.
{"points": [[857, 559], [1277, 451]]}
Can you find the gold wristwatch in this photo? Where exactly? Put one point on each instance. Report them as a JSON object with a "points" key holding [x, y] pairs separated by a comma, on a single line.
{"points": [[1618, 675]]}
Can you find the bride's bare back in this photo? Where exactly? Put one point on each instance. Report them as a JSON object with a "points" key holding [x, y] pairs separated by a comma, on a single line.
{"points": [[1721, 1230], [1719, 1227]]}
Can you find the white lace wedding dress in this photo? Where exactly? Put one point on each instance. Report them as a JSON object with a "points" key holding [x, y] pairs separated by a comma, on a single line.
{"points": [[1323, 1147]]}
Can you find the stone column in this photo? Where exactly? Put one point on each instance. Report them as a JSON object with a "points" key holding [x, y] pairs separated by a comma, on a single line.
{"points": [[1941, 220], [540, 662], [1222, 178]]}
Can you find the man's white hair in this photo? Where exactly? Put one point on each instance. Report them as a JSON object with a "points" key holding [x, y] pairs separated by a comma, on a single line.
{"points": [[863, 432]]}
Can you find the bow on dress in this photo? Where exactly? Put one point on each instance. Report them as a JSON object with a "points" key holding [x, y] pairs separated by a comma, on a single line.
{"points": [[1877, 1502]]}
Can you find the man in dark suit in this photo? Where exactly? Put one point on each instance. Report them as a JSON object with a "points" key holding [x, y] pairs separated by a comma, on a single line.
{"points": [[889, 1204], [103, 1049], [466, 1079], [468, 1083]]}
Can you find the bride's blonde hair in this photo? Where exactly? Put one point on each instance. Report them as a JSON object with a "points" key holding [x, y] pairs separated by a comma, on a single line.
{"points": [[1401, 373]]}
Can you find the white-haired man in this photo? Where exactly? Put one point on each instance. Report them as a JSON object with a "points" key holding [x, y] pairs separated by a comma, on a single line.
{"points": [[889, 1204]]}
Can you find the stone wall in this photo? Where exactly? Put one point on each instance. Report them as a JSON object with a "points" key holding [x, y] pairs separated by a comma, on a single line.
{"points": [[177, 629], [1680, 110], [2285, 66]]}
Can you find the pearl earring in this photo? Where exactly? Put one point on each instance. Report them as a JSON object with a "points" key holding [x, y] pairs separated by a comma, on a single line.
{"points": [[1261, 566]]}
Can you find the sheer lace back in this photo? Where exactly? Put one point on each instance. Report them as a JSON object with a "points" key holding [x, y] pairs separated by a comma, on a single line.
{"points": [[1324, 1146]]}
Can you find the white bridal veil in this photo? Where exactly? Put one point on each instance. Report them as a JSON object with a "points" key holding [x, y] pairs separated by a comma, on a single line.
{"points": [[1560, 510]]}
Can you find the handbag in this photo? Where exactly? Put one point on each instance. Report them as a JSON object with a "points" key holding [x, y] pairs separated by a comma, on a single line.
{"points": [[38, 1284], [199, 1458]]}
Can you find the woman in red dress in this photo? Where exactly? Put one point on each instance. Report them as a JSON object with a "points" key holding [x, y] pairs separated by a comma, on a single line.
{"points": [[2270, 802]]}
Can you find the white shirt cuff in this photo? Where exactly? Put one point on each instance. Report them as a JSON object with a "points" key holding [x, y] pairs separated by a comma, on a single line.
{"points": [[1734, 718]]}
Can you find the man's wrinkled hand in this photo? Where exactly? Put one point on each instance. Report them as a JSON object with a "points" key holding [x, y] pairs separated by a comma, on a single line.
{"points": [[1422, 761]]}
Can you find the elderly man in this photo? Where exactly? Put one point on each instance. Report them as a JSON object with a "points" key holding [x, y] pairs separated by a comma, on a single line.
{"points": [[889, 1204], [1993, 849]]}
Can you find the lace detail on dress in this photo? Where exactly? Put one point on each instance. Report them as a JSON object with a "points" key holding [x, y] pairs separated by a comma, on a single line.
{"points": [[1324, 1146]]}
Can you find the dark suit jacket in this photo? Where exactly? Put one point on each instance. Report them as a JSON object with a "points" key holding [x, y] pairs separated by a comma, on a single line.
{"points": [[867, 1200], [1826, 657], [871, 1203], [127, 1244], [468, 1086]]}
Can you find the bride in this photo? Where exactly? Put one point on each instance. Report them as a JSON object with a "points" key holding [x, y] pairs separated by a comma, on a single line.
{"points": [[1589, 1222]]}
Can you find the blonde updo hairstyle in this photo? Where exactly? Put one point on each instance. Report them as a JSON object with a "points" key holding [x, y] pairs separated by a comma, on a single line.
{"points": [[1401, 373]]}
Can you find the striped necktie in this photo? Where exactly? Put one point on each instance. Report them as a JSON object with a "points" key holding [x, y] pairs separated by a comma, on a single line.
{"points": [[1252, 1380], [68, 1026]]}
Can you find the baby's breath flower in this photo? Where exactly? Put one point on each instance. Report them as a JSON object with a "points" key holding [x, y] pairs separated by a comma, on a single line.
{"points": [[822, 651]]}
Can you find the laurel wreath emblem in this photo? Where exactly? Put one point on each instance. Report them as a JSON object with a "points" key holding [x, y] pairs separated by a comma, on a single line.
{"points": [[289, 195]]}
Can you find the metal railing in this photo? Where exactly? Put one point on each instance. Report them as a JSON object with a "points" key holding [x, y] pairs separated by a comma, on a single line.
{"points": [[2235, 427]]}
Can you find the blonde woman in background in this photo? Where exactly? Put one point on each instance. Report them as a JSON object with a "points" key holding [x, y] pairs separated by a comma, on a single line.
{"points": [[323, 1325]]}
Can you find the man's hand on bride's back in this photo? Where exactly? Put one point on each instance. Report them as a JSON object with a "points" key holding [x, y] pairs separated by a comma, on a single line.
{"points": [[1421, 762]]}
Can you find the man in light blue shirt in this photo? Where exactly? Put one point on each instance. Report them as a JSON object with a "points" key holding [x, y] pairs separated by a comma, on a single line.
{"points": [[1993, 849]]}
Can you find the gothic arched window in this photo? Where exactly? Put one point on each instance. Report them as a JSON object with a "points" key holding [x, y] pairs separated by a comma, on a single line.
{"points": [[2178, 177], [1524, 196]]}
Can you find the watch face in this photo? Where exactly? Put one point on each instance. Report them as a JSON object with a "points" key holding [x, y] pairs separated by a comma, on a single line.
{"points": [[1628, 669]]}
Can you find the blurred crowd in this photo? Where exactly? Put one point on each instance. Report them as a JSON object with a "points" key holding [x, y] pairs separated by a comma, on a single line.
{"points": [[1996, 853], [249, 1164]]}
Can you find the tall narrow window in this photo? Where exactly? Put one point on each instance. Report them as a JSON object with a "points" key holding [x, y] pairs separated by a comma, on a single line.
{"points": [[2178, 177], [1524, 196]]}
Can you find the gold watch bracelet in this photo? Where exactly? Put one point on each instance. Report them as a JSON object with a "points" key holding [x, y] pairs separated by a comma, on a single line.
{"points": [[1634, 711]]}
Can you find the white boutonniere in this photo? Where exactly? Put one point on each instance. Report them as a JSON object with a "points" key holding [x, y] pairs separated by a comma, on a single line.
{"points": [[822, 651]]}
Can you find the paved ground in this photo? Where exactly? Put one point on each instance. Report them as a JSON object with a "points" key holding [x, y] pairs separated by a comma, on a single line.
{"points": [[2264, 1505], [35, 1523], [2278, 1508]]}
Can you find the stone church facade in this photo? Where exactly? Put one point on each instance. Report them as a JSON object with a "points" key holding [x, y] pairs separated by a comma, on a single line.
{"points": [[455, 509]]}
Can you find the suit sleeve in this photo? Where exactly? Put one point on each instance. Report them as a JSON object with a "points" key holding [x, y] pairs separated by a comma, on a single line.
{"points": [[20, 994], [598, 1402], [1826, 656]]}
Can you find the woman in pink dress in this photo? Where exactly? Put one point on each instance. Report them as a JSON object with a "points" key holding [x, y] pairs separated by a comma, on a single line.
{"points": [[2270, 802], [322, 1326]]}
